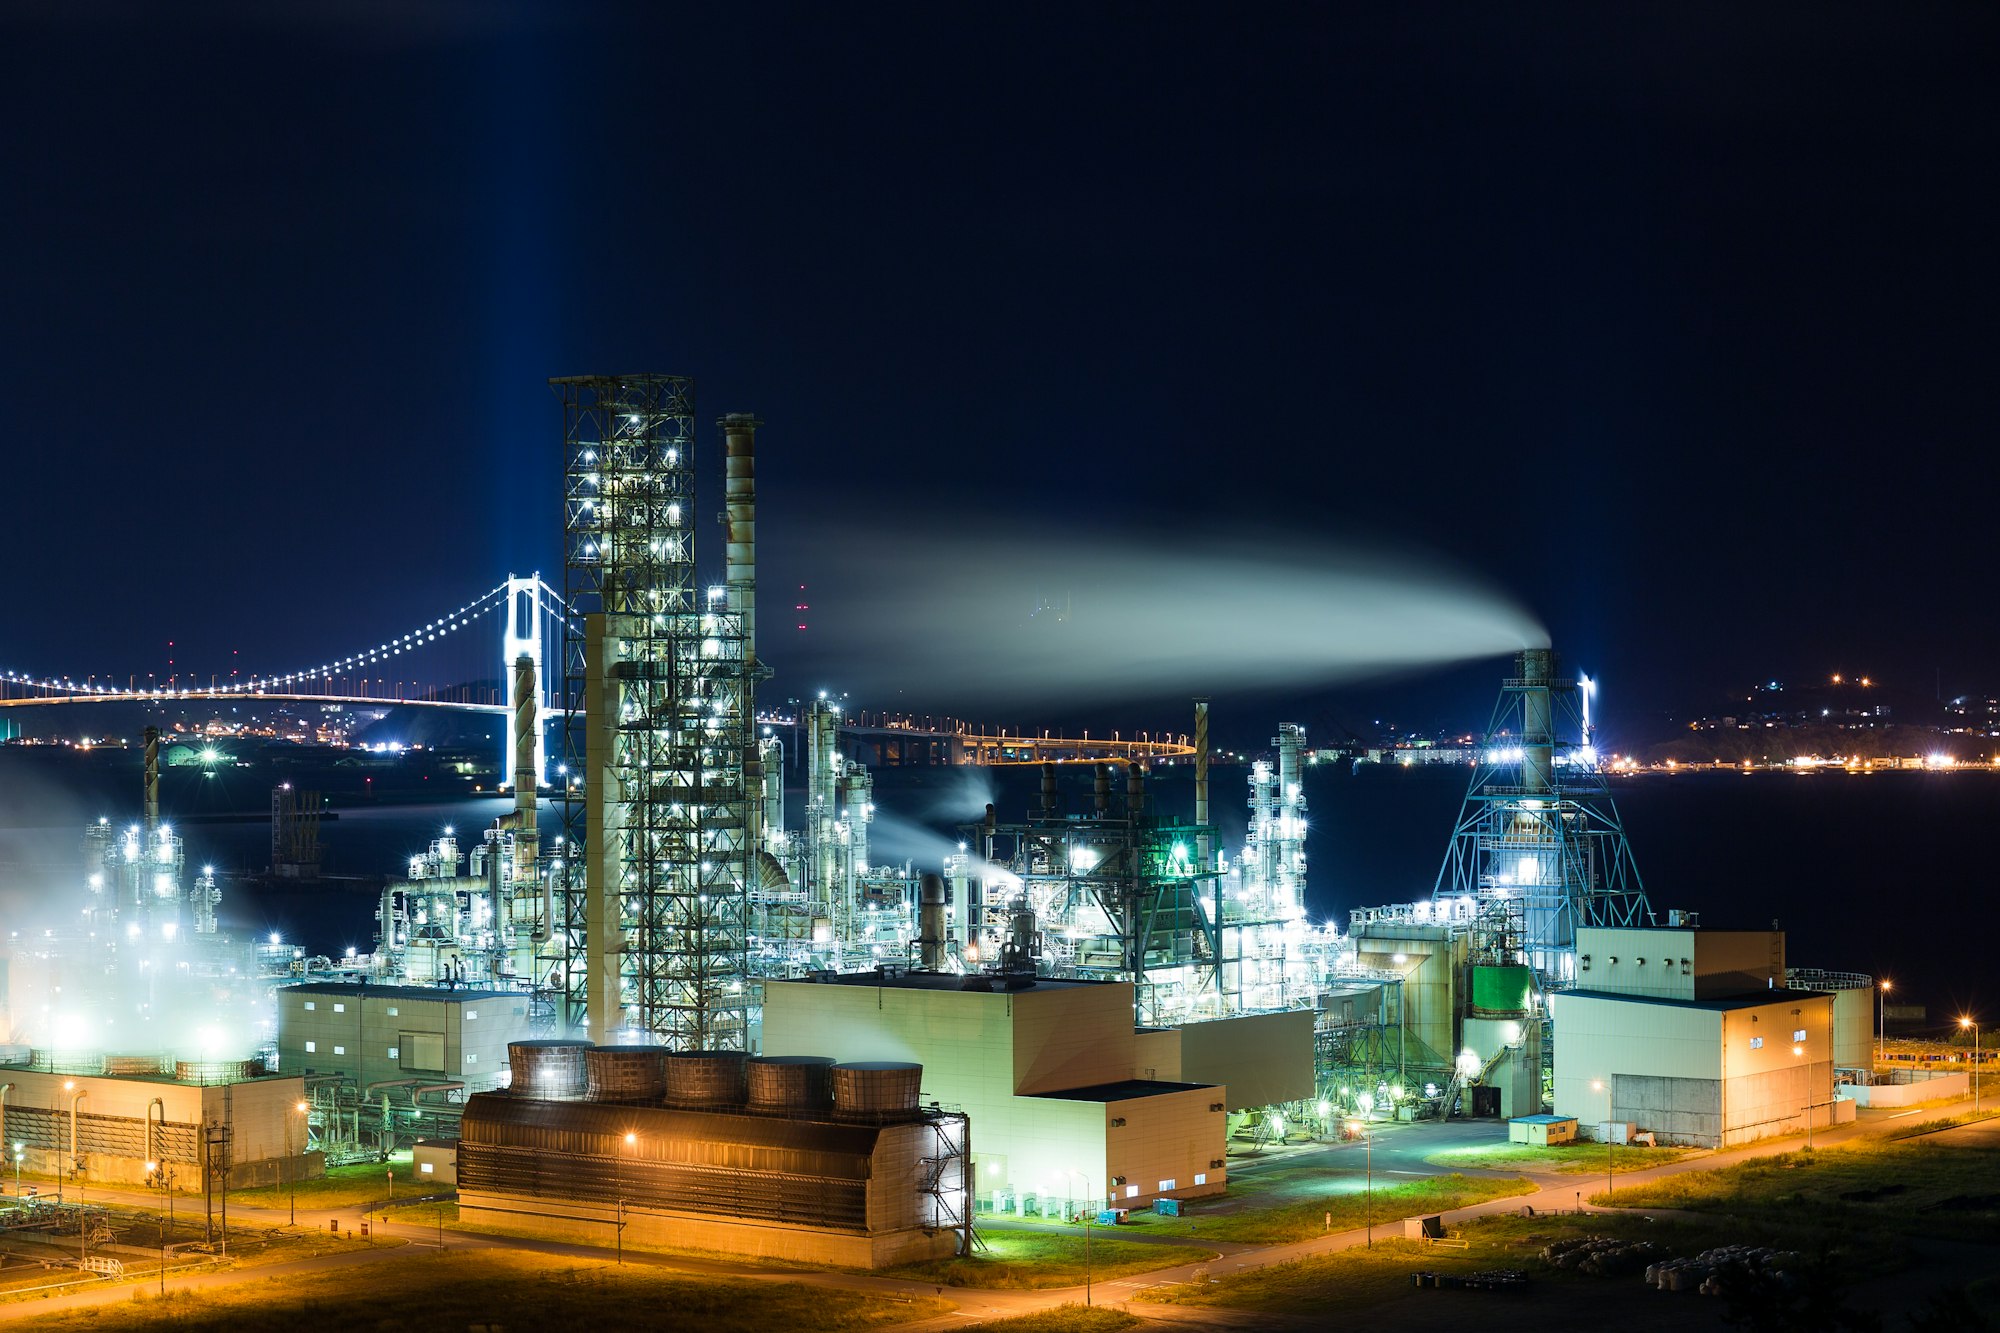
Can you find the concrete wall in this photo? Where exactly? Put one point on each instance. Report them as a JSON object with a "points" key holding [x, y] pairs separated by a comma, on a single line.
{"points": [[1156, 1053], [1907, 1094], [353, 1035], [1169, 1144], [1262, 1059], [1598, 1039], [1679, 964], [1070, 1037]]}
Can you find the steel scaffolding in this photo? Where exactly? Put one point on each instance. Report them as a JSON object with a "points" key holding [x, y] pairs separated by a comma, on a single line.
{"points": [[656, 712], [1538, 841]]}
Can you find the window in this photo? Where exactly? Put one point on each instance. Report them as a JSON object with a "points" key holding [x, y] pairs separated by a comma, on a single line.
{"points": [[1201, 1177], [471, 1014], [393, 1011], [340, 1050], [1131, 1191], [1167, 1184], [311, 1005], [1799, 1035], [472, 1059], [424, 1167], [312, 1047], [339, 1008], [393, 1053], [1756, 1043]]}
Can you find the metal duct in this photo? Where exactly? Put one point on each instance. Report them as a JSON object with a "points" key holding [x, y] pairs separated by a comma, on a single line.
{"points": [[152, 784], [1537, 667], [931, 938]]}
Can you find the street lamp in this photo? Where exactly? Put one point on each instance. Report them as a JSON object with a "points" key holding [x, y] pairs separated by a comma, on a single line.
{"points": [[1598, 1085], [162, 1175], [1882, 1020], [291, 1166], [1368, 1157], [1964, 1023], [631, 1141]]}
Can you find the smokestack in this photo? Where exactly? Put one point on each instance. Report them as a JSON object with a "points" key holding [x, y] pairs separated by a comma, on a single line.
{"points": [[1135, 790], [1101, 792], [1048, 791], [527, 843], [739, 436], [1201, 779], [930, 922], [152, 782], [1536, 667]]}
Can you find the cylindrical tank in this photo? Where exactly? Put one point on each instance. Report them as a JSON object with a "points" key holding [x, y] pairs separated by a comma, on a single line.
{"points": [[551, 1070], [930, 922], [788, 1082], [704, 1080], [876, 1089], [625, 1073]]}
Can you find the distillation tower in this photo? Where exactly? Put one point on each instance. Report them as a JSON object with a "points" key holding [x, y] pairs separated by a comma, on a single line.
{"points": [[658, 675], [1538, 849]]}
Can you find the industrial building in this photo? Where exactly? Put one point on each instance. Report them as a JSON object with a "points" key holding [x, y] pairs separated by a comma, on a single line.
{"points": [[1691, 1034], [385, 1063], [793, 1158], [130, 1114], [1069, 1103]]}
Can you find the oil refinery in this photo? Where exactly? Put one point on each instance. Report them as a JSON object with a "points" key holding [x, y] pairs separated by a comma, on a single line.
{"points": [[650, 915]]}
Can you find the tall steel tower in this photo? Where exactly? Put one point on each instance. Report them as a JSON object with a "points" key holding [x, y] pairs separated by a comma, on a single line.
{"points": [[656, 709], [1538, 844]]}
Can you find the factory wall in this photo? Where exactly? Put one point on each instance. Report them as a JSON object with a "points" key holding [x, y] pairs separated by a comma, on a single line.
{"points": [[1165, 1144], [112, 1135], [1679, 963], [1156, 1053], [1262, 1059], [1009, 1059], [1689, 1071], [381, 1034]]}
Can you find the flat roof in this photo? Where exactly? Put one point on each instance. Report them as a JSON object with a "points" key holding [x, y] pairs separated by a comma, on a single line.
{"points": [[1123, 1091], [1543, 1118], [951, 981], [1755, 999], [440, 994]]}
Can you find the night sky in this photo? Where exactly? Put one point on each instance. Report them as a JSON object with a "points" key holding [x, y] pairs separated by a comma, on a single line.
{"points": [[1676, 323]]}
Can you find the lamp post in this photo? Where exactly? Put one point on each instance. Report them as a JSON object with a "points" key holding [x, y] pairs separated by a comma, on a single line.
{"points": [[631, 1141], [1599, 1085], [1087, 1210], [291, 1167], [19, 1151], [1368, 1159], [1963, 1023], [1882, 1020], [162, 1175]]}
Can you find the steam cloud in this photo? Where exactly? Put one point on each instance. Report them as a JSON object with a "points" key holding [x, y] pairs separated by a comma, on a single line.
{"points": [[982, 618]]}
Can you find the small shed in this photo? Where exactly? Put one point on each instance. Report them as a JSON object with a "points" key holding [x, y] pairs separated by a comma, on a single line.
{"points": [[1542, 1130], [436, 1162]]}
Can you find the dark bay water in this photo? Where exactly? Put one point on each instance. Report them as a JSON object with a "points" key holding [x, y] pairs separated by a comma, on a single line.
{"points": [[1891, 874]]}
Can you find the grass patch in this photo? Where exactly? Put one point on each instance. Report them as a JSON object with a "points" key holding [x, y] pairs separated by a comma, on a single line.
{"points": [[499, 1289], [1032, 1260], [1923, 1127], [1064, 1319], [1378, 1280], [1863, 1186], [1277, 1207], [1577, 1159], [340, 1187]]}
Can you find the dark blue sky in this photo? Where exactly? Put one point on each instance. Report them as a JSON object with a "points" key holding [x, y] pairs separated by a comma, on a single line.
{"points": [[1676, 322]]}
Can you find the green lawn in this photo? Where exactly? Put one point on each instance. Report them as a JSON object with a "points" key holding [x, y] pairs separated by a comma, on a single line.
{"points": [[493, 1289], [1031, 1260], [341, 1187], [1063, 1319], [1914, 1187], [1276, 1207], [1580, 1159]]}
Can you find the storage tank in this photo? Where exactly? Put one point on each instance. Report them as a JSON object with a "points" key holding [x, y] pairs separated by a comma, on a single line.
{"points": [[788, 1082], [551, 1069], [625, 1073], [704, 1080], [133, 1065], [876, 1089], [217, 1071]]}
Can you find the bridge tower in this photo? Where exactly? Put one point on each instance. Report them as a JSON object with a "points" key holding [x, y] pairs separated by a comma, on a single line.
{"points": [[657, 721], [521, 635]]}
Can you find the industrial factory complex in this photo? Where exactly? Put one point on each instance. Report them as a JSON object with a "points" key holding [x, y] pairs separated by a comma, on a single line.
{"points": [[682, 1012]]}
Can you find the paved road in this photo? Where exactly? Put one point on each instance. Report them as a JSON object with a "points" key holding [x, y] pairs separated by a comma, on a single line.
{"points": [[1406, 1144]]}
